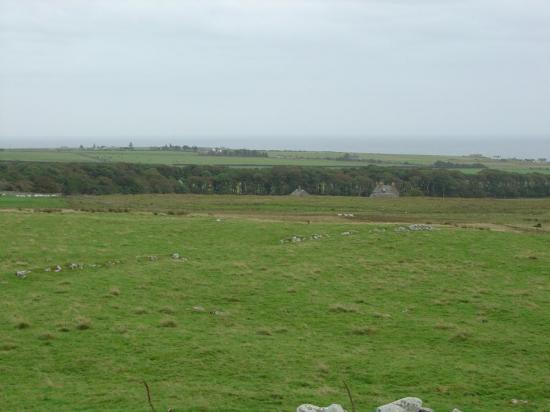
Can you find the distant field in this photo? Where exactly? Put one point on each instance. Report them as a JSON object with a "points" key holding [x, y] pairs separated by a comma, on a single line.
{"points": [[161, 157], [521, 213], [457, 316], [276, 158], [518, 166]]}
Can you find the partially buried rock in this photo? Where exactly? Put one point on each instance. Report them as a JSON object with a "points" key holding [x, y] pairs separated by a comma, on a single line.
{"points": [[57, 268], [312, 408], [177, 256], [409, 404], [22, 273], [218, 313], [198, 309]]}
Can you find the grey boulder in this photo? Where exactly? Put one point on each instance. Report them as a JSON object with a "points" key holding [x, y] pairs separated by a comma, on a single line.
{"points": [[409, 404], [312, 408]]}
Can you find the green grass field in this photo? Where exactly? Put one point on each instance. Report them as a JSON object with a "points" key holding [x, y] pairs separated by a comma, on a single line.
{"points": [[276, 158], [32, 202], [516, 213], [458, 316]]}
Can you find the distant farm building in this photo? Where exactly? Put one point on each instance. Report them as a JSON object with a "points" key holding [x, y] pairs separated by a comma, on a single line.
{"points": [[382, 190], [299, 193]]}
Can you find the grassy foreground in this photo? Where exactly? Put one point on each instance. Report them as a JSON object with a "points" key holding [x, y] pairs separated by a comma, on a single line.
{"points": [[456, 316]]}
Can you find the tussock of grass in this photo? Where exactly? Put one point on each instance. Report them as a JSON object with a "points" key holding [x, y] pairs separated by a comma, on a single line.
{"points": [[63, 327], [343, 308], [168, 323], [364, 330], [280, 329], [445, 326], [461, 336], [7, 346], [120, 329], [114, 291], [46, 336], [167, 310], [82, 323], [22, 324], [140, 311], [323, 368]]}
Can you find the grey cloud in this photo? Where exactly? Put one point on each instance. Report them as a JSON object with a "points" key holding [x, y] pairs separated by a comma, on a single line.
{"points": [[276, 67]]}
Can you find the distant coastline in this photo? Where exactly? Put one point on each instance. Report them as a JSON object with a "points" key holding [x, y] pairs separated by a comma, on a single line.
{"points": [[509, 147]]}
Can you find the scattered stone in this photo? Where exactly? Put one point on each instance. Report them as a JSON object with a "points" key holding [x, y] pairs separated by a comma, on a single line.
{"points": [[300, 238], [317, 236], [416, 227], [312, 408], [293, 239], [74, 266], [218, 220], [218, 313], [152, 258], [22, 273], [519, 402], [57, 268], [178, 257], [48, 269], [198, 309], [419, 227], [346, 214], [348, 233]]}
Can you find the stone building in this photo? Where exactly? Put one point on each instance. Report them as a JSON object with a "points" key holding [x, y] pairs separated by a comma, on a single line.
{"points": [[382, 190], [299, 192]]}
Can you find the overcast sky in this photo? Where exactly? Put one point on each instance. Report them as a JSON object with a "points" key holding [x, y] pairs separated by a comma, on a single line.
{"points": [[272, 69]]}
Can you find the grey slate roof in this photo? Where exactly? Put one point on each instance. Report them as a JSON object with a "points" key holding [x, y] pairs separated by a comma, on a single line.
{"points": [[382, 190]]}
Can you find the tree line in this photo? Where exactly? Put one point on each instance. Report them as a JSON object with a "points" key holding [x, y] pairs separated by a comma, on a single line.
{"points": [[108, 178]]}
